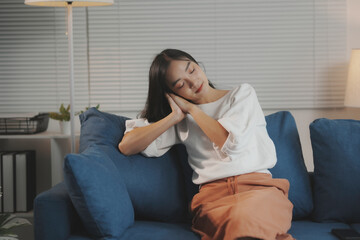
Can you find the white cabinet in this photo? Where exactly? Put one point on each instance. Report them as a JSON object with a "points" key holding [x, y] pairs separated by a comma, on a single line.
{"points": [[50, 147]]}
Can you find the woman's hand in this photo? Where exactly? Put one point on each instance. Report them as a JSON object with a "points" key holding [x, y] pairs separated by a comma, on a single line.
{"points": [[176, 110], [182, 103]]}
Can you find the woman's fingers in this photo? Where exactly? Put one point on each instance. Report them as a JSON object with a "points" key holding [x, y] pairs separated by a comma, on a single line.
{"points": [[181, 102], [174, 106], [171, 101]]}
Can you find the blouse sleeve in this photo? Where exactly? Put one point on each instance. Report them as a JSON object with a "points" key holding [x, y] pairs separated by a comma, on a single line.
{"points": [[241, 121], [160, 145]]}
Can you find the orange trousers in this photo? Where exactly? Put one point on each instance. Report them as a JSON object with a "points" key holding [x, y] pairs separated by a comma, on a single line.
{"points": [[248, 205]]}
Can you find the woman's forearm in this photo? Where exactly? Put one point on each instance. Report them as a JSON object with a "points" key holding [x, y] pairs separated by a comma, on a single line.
{"points": [[212, 128], [140, 138]]}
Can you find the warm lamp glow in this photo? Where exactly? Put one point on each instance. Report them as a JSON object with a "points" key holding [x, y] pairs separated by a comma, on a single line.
{"points": [[352, 95], [75, 3]]}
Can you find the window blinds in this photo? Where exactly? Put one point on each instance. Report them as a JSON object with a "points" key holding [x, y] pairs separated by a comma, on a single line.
{"points": [[292, 52]]}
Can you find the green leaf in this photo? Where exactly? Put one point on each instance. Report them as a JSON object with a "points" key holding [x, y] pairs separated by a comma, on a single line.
{"points": [[62, 109]]}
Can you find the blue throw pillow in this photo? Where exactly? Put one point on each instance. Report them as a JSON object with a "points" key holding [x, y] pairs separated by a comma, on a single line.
{"points": [[336, 150], [155, 185], [98, 193], [290, 164], [100, 127]]}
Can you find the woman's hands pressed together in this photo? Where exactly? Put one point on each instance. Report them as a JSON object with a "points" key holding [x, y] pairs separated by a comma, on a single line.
{"points": [[182, 103], [179, 106]]}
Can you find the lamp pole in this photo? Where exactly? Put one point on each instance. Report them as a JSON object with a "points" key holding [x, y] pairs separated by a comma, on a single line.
{"points": [[71, 73]]}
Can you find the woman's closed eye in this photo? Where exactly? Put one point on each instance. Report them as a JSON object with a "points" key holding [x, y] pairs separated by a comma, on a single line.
{"points": [[179, 85]]}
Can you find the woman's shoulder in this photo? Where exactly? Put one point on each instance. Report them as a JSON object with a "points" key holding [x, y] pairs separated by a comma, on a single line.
{"points": [[242, 90]]}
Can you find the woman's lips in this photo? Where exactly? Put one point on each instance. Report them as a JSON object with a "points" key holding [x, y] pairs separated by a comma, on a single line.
{"points": [[199, 89]]}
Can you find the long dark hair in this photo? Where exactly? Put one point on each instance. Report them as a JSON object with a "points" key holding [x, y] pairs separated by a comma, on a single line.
{"points": [[157, 106]]}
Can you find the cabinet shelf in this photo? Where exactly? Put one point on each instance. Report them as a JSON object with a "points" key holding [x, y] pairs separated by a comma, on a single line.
{"points": [[59, 147]]}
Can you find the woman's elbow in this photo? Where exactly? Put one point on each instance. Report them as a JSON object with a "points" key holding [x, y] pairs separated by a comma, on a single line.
{"points": [[124, 149]]}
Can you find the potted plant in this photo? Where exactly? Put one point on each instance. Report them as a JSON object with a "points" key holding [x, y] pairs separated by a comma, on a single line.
{"points": [[63, 116]]}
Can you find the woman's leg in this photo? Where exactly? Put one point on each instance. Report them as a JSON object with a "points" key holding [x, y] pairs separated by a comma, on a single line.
{"points": [[250, 205]]}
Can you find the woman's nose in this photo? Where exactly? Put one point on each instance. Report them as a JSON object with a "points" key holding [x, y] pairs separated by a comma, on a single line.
{"points": [[191, 83]]}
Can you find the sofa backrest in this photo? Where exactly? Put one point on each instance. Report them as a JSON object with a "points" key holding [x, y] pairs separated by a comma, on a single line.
{"points": [[161, 188]]}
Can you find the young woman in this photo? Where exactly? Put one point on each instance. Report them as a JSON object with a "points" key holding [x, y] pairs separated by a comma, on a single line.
{"points": [[229, 149]]}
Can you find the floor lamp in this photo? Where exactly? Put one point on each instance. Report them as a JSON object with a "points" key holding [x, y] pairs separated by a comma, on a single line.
{"points": [[69, 5], [352, 95]]}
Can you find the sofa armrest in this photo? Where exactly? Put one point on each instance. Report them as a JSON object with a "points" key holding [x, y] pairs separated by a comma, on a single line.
{"points": [[54, 215]]}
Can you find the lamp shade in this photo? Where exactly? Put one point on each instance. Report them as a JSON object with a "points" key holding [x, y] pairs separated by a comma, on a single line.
{"points": [[352, 95], [63, 3]]}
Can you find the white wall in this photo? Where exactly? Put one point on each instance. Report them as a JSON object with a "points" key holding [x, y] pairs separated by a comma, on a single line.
{"points": [[304, 117]]}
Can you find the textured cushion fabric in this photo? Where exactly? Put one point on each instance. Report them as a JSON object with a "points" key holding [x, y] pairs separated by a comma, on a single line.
{"points": [[308, 230], [290, 164], [98, 193], [336, 150], [144, 230], [100, 127], [155, 185]]}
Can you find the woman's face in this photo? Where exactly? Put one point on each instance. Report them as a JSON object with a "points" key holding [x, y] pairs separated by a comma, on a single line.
{"points": [[186, 79]]}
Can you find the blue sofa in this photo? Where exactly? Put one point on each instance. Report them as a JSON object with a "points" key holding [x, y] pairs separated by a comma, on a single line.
{"points": [[106, 195]]}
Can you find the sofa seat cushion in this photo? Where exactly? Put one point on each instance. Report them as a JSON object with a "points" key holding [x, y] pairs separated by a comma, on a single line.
{"points": [[98, 193], [336, 151], [290, 164], [314, 231], [145, 230]]}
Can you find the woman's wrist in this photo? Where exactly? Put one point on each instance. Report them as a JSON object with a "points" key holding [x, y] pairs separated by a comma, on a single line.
{"points": [[192, 109], [175, 117]]}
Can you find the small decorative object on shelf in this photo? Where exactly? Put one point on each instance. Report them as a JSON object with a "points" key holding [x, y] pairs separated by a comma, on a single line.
{"points": [[27, 123], [7, 223]]}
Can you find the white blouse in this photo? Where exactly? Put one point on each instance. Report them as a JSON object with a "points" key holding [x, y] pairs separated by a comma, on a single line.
{"points": [[247, 149]]}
